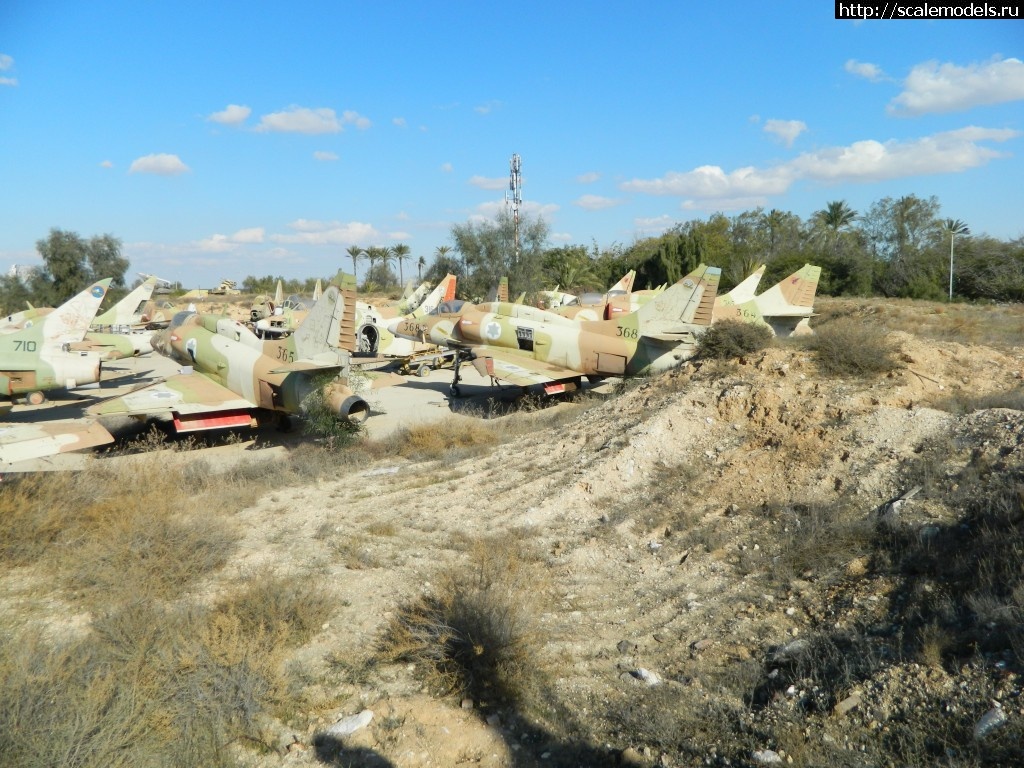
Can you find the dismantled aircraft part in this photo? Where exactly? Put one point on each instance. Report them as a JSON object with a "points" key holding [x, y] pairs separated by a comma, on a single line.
{"points": [[369, 339]]}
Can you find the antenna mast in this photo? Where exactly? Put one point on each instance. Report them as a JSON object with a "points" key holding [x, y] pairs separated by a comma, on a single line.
{"points": [[515, 196]]}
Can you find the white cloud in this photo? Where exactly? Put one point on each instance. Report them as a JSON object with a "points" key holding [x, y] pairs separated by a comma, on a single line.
{"points": [[399, 236], [561, 237], [785, 131], [159, 165], [486, 109], [224, 243], [484, 182], [447, 167], [932, 87], [871, 72], [588, 178], [710, 187], [724, 204], [710, 181], [868, 161], [6, 62], [301, 120], [250, 235], [349, 117], [233, 114], [654, 225], [596, 202], [325, 157], [328, 233], [106, 164], [399, 121]]}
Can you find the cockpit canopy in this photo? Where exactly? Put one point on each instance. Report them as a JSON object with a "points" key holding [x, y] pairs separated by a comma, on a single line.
{"points": [[452, 307]]}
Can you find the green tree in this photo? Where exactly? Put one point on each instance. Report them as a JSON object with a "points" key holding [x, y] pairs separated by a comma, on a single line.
{"points": [[357, 254], [571, 268], [421, 262], [401, 252], [904, 237], [488, 254], [70, 263]]}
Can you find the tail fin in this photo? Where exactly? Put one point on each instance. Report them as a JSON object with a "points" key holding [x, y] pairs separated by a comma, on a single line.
{"points": [[279, 294], [500, 292], [321, 330], [69, 322], [744, 291], [443, 291], [625, 284], [794, 295], [347, 337], [689, 302], [125, 311], [318, 291]]}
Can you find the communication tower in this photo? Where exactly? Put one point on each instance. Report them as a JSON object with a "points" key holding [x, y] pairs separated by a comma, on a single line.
{"points": [[515, 197]]}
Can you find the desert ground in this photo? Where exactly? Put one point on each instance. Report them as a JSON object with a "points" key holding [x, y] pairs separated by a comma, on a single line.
{"points": [[743, 562]]}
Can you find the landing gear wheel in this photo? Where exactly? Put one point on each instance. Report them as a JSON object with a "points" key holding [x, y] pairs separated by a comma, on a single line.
{"points": [[35, 398], [455, 391], [423, 370]]}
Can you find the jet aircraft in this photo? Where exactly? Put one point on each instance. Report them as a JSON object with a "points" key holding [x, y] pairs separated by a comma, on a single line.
{"points": [[785, 308], [37, 357], [529, 346], [232, 377]]}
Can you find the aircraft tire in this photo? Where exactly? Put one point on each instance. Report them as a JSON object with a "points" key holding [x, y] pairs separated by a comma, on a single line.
{"points": [[35, 398], [455, 390], [423, 370]]}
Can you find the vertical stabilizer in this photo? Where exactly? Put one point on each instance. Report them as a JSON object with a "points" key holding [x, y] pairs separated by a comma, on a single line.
{"points": [[318, 291], [320, 331], [744, 291], [279, 294], [443, 291], [68, 323], [690, 301], [793, 294], [625, 284], [128, 309], [347, 332]]}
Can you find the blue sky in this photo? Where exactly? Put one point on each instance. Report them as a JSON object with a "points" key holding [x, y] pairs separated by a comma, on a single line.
{"points": [[219, 140]]}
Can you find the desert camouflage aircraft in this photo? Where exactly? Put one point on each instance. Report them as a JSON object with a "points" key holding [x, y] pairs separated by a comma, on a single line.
{"points": [[233, 377], [591, 306], [129, 311], [525, 345], [36, 357], [115, 334], [372, 323], [785, 308]]}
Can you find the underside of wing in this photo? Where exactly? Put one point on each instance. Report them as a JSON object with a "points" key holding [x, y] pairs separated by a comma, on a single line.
{"points": [[22, 442], [185, 393], [519, 370]]}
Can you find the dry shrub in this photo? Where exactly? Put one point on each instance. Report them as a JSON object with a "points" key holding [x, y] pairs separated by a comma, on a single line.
{"points": [[733, 338], [474, 634], [849, 347], [448, 438], [147, 686], [292, 607]]}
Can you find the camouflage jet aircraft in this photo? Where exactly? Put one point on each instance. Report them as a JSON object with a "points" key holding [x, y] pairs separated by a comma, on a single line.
{"points": [[114, 334], [372, 324], [568, 304], [37, 357], [233, 376], [26, 441], [785, 308], [526, 346]]}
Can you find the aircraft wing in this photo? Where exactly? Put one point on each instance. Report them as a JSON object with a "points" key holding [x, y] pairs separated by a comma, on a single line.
{"points": [[186, 393], [519, 370], [21, 442]]}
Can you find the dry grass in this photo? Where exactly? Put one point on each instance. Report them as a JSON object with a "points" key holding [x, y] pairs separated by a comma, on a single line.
{"points": [[847, 347], [733, 338]]}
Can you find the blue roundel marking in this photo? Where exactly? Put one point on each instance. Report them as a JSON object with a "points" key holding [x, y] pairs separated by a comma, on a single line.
{"points": [[97, 291]]}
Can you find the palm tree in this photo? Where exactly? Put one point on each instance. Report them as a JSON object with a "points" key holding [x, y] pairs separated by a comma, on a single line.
{"points": [[401, 253], [835, 216], [954, 227], [357, 253], [420, 264]]}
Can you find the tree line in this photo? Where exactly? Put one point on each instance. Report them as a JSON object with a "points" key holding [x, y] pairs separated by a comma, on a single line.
{"points": [[898, 247]]}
